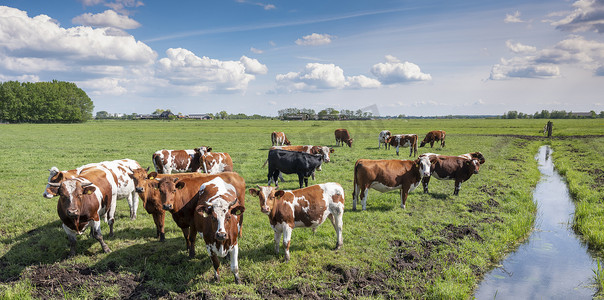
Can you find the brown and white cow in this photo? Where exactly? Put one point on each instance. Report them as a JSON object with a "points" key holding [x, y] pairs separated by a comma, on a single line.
{"points": [[434, 136], [218, 218], [474, 155], [168, 161], [404, 140], [278, 138], [342, 136], [307, 208], [82, 201], [121, 181], [384, 135], [180, 198], [216, 162], [147, 187], [455, 168], [387, 175]]}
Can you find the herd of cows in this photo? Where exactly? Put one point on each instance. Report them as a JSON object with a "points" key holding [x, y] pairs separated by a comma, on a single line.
{"points": [[208, 198]]}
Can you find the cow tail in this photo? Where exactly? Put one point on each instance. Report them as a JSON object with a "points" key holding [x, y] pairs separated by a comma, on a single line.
{"points": [[355, 181], [157, 163]]}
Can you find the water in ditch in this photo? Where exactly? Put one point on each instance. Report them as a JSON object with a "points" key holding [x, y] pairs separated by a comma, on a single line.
{"points": [[553, 263]]}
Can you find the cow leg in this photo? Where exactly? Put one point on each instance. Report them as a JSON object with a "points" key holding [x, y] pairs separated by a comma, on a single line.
{"points": [[191, 241], [410, 150], [432, 144], [158, 218], [404, 194], [96, 233], [71, 236], [235, 263], [278, 232], [457, 187], [185, 233], [281, 177], [442, 143], [355, 196], [111, 214], [397, 150], [425, 182], [364, 192], [301, 179], [216, 263], [287, 236], [336, 221], [133, 202], [305, 181]]}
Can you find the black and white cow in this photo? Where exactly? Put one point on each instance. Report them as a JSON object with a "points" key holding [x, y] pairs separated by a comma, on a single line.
{"points": [[292, 162]]}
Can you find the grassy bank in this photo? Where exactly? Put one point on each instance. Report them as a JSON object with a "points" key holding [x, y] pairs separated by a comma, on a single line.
{"points": [[438, 247]]}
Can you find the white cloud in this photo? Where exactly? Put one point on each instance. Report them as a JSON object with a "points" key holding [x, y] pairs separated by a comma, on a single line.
{"points": [[519, 48], [393, 71], [315, 39], [257, 51], [317, 76], [263, 5], [104, 86], [108, 18], [120, 6], [253, 66], [40, 36], [183, 67], [587, 16], [515, 18], [575, 50]]}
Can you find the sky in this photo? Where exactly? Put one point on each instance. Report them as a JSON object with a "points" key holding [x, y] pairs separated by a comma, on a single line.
{"points": [[416, 58]]}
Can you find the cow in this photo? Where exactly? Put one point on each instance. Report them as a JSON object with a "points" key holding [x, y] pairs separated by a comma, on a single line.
{"points": [[434, 136], [323, 150], [217, 218], [180, 198], [168, 161], [387, 175], [404, 140], [455, 168], [216, 162], [342, 136], [474, 155], [278, 138], [384, 135], [120, 178], [290, 162], [147, 187], [82, 201], [306, 208]]}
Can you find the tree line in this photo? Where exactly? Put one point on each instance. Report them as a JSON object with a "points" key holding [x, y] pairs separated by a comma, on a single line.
{"points": [[554, 114], [325, 114], [44, 102]]}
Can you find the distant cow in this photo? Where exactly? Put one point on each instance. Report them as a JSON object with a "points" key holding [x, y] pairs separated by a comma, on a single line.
{"points": [[180, 198], [120, 180], [168, 161], [455, 168], [404, 140], [434, 136], [216, 162], [323, 150], [217, 218], [292, 162], [387, 175], [342, 136], [82, 201], [307, 208], [278, 138], [147, 187], [384, 135]]}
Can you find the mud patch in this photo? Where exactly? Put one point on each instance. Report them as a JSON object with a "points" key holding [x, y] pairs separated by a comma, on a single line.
{"points": [[453, 232], [598, 176], [477, 207], [493, 203], [55, 281]]}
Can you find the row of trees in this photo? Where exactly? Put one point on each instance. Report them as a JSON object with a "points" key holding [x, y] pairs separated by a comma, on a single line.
{"points": [[325, 114], [554, 114], [44, 102]]}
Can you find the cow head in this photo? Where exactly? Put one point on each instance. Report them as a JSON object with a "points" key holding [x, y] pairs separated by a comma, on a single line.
{"points": [[219, 206], [54, 180], [349, 142], [267, 196], [423, 143], [423, 162], [145, 184], [72, 195], [473, 165], [324, 150], [167, 190]]}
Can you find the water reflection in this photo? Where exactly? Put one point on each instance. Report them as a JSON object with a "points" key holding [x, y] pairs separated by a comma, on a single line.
{"points": [[554, 263]]}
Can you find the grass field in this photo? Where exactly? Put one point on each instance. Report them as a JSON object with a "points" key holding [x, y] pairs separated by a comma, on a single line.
{"points": [[438, 247]]}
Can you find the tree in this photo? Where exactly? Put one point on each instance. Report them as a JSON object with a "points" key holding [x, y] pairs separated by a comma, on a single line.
{"points": [[222, 114], [158, 111], [102, 114]]}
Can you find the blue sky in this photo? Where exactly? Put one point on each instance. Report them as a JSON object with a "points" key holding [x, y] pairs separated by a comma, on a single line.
{"points": [[257, 57]]}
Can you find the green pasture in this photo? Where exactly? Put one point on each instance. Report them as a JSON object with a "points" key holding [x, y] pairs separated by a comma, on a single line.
{"points": [[438, 247]]}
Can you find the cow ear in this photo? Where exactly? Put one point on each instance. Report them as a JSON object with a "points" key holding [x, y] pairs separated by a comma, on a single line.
{"points": [[152, 175], [331, 150], [279, 194], [254, 192], [208, 149], [204, 210], [180, 184], [59, 177], [238, 210], [89, 190]]}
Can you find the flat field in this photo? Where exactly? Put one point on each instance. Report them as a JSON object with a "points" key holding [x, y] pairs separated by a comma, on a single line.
{"points": [[438, 247]]}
